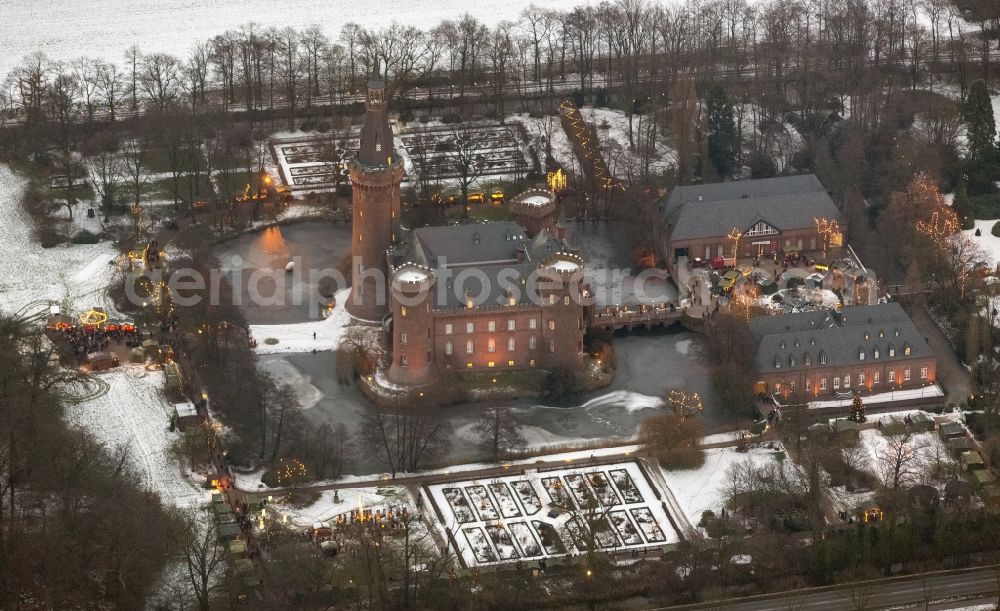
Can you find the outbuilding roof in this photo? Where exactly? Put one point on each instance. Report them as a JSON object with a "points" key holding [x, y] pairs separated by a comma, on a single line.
{"points": [[712, 210], [861, 333]]}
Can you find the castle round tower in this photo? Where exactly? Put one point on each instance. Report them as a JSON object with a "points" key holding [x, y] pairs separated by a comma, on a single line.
{"points": [[534, 210], [561, 284], [376, 173], [412, 325]]}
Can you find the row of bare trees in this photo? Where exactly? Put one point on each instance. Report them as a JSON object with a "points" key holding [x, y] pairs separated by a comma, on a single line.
{"points": [[642, 47]]}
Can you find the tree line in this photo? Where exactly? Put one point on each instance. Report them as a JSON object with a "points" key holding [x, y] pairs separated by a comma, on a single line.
{"points": [[642, 47]]}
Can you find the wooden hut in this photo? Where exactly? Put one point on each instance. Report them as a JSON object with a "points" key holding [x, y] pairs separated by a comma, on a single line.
{"points": [[971, 460], [186, 415]]}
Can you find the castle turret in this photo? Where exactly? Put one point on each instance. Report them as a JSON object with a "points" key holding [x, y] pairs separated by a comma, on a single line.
{"points": [[412, 325], [534, 210], [561, 287], [376, 173]]}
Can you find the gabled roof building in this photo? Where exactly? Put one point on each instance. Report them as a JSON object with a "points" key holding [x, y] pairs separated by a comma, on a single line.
{"points": [[771, 215]]}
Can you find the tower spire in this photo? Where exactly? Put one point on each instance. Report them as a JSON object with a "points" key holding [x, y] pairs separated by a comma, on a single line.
{"points": [[376, 149]]}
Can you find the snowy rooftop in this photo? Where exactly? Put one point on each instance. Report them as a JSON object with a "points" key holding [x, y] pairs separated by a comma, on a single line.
{"points": [[564, 265], [411, 274], [536, 200], [185, 409]]}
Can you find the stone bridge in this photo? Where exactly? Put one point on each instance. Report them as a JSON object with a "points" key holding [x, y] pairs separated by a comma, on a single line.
{"points": [[630, 317]]}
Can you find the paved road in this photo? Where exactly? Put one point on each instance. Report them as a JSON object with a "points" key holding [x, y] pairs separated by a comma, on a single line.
{"points": [[943, 587]]}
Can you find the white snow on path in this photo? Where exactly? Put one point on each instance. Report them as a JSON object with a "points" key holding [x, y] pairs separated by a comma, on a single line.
{"points": [[135, 414], [989, 243], [30, 273], [299, 337], [67, 29]]}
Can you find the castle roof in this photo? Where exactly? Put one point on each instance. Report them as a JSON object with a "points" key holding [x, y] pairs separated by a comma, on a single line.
{"points": [[477, 244], [828, 339]]}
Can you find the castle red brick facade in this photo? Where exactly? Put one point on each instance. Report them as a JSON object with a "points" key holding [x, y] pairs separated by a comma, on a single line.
{"points": [[480, 297]]}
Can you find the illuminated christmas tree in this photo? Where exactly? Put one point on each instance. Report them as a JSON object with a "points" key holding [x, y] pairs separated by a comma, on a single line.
{"points": [[857, 410]]}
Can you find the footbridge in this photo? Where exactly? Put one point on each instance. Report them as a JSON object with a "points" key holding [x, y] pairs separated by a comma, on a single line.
{"points": [[631, 317]]}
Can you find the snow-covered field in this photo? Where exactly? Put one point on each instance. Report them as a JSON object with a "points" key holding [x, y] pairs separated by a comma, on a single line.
{"points": [[134, 414], [698, 490], [67, 29], [548, 128], [881, 455], [624, 160], [30, 273], [508, 519], [989, 243]]}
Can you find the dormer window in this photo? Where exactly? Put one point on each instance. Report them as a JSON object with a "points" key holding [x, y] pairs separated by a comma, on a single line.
{"points": [[822, 358], [881, 333], [892, 351], [791, 361], [866, 336], [807, 360], [777, 363], [781, 344], [906, 349], [861, 354], [897, 332], [796, 342], [875, 353], [812, 341]]}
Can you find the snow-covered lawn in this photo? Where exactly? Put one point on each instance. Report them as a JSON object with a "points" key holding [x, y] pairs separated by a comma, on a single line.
{"points": [[31, 274], [622, 158], [134, 414], [539, 130], [923, 392], [508, 518], [880, 455], [704, 488], [318, 336], [326, 508], [989, 243]]}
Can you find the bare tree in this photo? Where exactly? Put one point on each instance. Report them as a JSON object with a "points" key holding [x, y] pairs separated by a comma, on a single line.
{"points": [[900, 462], [106, 167], [404, 436], [204, 560], [160, 79], [498, 432]]}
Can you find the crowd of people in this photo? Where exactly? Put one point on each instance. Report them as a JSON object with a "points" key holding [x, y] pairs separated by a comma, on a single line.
{"points": [[83, 341]]}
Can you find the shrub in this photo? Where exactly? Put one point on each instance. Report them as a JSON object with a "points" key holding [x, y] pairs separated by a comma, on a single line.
{"points": [[996, 229], [86, 237]]}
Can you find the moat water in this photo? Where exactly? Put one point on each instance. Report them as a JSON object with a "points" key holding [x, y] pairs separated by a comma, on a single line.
{"points": [[649, 362]]}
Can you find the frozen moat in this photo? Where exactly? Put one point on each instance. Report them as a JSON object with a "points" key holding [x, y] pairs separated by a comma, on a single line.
{"points": [[649, 362]]}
